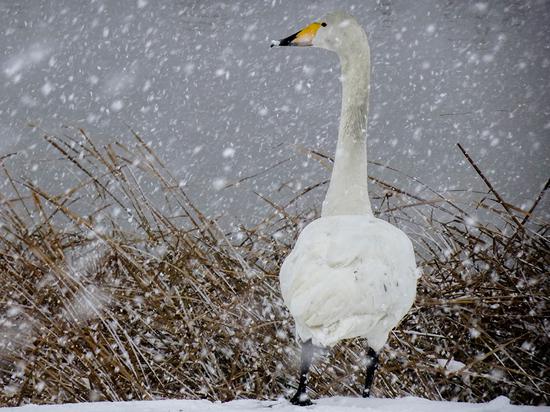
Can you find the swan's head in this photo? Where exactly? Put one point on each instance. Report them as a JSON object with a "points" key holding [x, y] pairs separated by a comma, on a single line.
{"points": [[338, 32]]}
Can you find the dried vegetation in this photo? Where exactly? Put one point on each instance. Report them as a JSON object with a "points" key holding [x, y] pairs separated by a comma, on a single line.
{"points": [[137, 298]]}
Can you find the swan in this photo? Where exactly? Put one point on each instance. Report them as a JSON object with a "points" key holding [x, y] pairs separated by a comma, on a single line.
{"points": [[349, 274]]}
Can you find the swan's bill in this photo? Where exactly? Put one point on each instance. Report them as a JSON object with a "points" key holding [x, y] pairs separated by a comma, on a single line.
{"points": [[302, 38]]}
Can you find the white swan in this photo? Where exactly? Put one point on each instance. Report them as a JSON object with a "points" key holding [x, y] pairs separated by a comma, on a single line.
{"points": [[349, 274]]}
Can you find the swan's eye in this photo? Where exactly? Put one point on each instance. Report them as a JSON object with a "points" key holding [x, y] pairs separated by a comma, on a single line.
{"points": [[323, 24]]}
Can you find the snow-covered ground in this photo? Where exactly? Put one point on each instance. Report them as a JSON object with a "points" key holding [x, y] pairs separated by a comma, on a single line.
{"points": [[335, 404]]}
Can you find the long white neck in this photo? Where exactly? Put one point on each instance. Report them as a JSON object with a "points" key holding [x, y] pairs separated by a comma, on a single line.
{"points": [[348, 192]]}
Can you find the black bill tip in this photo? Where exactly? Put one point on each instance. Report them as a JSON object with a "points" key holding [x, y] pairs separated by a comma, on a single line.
{"points": [[287, 41]]}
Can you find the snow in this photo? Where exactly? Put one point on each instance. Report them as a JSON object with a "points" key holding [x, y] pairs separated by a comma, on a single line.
{"points": [[349, 276], [117, 105], [488, 58], [450, 365], [229, 152], [198, 79], [335, 404]]}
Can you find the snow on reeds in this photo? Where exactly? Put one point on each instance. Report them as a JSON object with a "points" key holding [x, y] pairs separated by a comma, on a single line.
{"points": [[110, 294]]}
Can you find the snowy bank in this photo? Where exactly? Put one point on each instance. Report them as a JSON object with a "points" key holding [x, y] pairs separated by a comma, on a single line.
{"points": [[335, 404]]}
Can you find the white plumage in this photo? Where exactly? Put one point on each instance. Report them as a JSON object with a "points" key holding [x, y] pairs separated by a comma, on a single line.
{"points": [[349, 276]]}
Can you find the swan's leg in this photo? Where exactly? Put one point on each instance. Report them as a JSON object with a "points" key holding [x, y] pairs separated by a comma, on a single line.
{"points": [[300, 397], [372, 365]]}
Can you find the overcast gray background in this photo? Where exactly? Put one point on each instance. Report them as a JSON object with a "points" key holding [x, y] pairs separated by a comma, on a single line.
{"points": [[198, 80]]}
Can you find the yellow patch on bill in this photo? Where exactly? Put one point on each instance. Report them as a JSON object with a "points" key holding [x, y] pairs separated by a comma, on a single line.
{"points": [[305, 36]]}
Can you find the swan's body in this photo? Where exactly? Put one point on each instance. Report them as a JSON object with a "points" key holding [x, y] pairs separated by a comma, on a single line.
{"points": [[349, 274]]}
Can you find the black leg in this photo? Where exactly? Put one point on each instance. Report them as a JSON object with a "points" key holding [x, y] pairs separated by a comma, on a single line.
{"points": [[372, 365], [300, 397]]}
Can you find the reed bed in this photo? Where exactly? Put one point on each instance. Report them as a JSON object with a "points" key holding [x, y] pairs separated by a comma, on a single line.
{"points": [[120, 288]]}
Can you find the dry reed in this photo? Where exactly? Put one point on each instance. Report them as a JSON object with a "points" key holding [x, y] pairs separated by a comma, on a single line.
{"points": [[109, 294]]}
